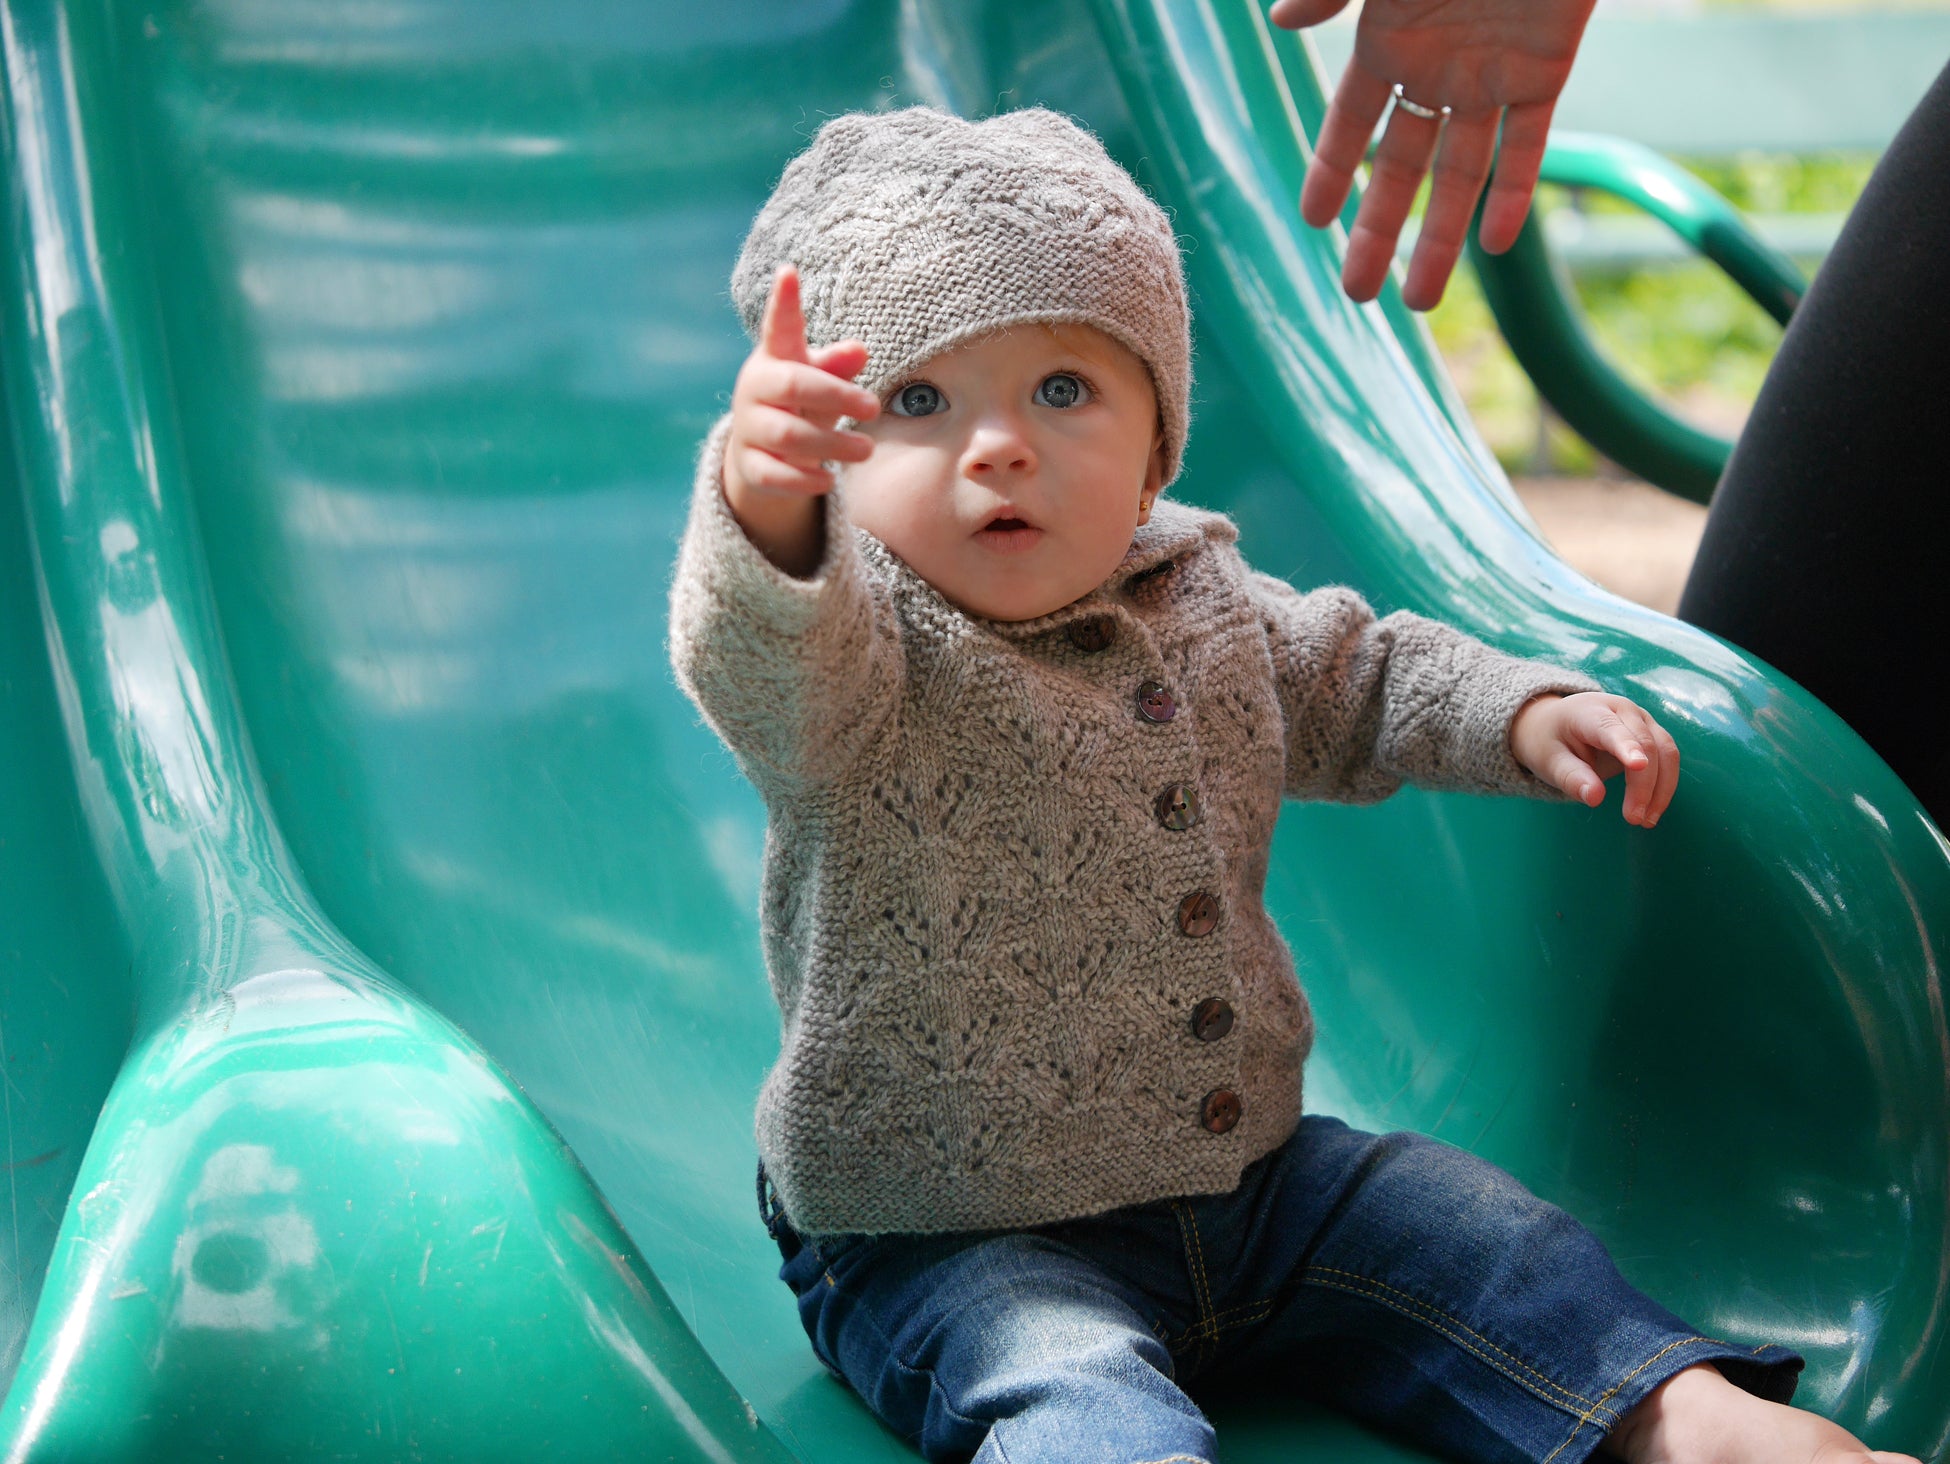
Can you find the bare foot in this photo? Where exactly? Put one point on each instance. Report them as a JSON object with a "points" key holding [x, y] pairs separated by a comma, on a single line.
{"points": [[1698, 1417]]}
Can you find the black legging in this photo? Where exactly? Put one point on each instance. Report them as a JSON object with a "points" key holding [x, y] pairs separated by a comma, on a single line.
{"points": [[1827, 551]]}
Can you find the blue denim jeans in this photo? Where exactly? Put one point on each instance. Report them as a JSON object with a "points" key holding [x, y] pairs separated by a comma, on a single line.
{"points": [[1396, 1278]]}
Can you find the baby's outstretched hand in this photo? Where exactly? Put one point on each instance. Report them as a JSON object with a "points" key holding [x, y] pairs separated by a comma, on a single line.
{"points": [[1576, 742], [787, 400]]}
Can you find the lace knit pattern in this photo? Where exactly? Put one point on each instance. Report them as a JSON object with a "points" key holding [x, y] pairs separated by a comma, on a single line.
{"points": [[970, 903]]}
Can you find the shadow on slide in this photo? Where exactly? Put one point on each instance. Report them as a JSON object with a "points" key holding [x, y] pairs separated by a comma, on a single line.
{"points": [[381, 1004]]}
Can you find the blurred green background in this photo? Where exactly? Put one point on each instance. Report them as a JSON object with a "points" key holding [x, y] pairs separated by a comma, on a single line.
{"points": [[1676, 325], [1782, 107]]}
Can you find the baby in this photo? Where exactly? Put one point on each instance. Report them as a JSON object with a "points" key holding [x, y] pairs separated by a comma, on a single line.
{"points": [[1033, 1151]]}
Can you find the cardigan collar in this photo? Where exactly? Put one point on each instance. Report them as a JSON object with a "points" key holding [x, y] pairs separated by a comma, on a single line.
{"points": [[1175, 531]]}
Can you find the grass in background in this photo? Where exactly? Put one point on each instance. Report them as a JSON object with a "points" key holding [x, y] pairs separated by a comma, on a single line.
{"points": [[1678, 330]]}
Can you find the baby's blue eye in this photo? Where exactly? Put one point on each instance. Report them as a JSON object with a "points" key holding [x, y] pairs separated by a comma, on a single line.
{"points": [[918, 400], [1061, 390]]}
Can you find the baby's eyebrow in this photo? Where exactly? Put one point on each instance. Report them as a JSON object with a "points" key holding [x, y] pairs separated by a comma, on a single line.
{"points": [[1070, 360]]}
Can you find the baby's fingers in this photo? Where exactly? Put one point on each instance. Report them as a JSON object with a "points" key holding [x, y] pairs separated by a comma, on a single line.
{"points": [[788, 436], [1649, 758], [782, 333], [842, 358], [760, 470], [1604, 728], [1668, 782], [1623, 737], [1564, 770], [806, 390]]}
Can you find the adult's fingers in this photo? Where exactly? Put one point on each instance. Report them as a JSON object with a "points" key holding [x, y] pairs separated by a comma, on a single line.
{"points": [[805, 388], [1343, 143], [1297, 14], [782, 332], [1396, 173], [1519, 159], [791, 437], [1462, 162]]}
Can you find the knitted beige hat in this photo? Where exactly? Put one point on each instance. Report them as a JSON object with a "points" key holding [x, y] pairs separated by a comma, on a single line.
{"points": [[916, 230]]}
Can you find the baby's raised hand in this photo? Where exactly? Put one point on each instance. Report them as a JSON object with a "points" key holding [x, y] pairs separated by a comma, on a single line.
{"points": [[783, 410], [1576, 742], [787, 399]]}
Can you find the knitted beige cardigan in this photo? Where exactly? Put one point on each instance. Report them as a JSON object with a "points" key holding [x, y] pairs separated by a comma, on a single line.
{"points": [[976, 884]]}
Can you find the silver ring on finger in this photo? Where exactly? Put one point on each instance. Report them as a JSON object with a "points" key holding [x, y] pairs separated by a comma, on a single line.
{"points": [[1416, 109]]}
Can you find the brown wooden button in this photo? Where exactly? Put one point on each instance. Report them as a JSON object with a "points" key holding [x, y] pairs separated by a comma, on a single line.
{"points": [[1094, 634], [1211, 1019], [1178, 806], [1198, 913], [1155, 703], [1220, 1110]]}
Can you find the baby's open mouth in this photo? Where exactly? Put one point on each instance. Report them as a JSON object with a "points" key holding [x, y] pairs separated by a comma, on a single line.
{"points": [[1007, 532]]}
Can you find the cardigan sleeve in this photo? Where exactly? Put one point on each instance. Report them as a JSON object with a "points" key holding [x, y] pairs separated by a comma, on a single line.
{"points": [[1372, 704], [794, 674]]}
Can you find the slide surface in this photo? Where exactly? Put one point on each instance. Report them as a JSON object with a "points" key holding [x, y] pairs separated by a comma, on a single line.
{"points": [[381, 1004]]}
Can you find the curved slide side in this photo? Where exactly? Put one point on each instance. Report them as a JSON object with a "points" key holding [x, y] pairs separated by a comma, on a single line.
{"points": [[355, 362], [315, 1220]]}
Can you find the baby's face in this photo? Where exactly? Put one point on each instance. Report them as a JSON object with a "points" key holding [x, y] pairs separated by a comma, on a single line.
{"points": [[1010, 473]]}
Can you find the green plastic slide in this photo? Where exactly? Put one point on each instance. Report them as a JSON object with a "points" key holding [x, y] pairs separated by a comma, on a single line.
{"points": [[381, 1003]]}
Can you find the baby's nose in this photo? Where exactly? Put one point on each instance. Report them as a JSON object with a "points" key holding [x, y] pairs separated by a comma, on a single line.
{"points": [[993, 450]]}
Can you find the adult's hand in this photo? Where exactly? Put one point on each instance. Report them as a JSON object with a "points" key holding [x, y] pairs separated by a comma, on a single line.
{"points": [[1489, 61]]}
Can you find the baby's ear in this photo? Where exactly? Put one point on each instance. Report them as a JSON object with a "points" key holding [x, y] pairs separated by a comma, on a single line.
{"points": [[1154, 480], [1154, 470]]}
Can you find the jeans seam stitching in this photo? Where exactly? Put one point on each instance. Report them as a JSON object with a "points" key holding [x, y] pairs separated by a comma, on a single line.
{"points": [[1195, 1258], [1613, 1391], [1163, 1334], [1459, 1332], [1457, 1322], [1196, 1254], [1263, 1304], [1210, 1331]]}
